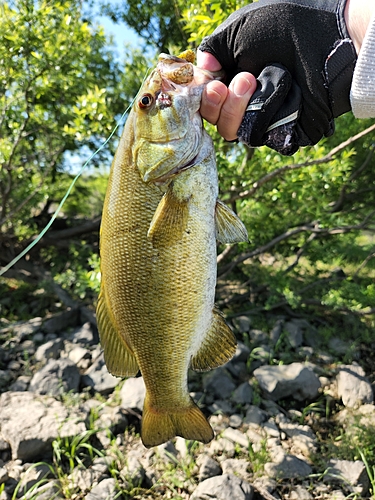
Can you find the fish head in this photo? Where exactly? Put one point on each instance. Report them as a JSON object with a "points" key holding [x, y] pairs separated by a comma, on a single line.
{"points": [[168, 127]]}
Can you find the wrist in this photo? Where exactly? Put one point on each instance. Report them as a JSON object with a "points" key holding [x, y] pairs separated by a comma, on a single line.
{"points": [[358, 14]]}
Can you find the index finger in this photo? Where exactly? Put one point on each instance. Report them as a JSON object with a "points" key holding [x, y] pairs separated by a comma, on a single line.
{"points": [[207, 61]]}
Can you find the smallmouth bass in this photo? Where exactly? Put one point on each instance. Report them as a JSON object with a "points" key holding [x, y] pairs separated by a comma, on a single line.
{"points": [[161, 220]]}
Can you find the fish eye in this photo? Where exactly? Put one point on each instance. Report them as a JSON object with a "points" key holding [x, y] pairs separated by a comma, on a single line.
{"points": [[145, 101]]}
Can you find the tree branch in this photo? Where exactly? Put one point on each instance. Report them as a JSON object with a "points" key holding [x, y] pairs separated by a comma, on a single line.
{"points": [[294, 166]]}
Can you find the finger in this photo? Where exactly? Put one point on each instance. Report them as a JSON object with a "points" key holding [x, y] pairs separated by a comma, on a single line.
{"points": [[233, 109], [207, 61], [213, 98]]}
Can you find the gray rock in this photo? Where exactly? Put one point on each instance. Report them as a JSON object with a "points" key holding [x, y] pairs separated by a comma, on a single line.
{"points": [[61, 321], [258, 338], [78, 353], [208, 467], [168, 452], [33, 474], [55, 378], [237, 466], [348, 473], [287, 467], [105, 490], [353, 387], [236, 436], [254, 415], [219, 383], [294, 380], [222, 446], [220, 407], [83, 479], [243, 394], [271, 429], [49, 350], [4, 476], [83, 335], [302, 435], [242, 324], [338, 346], [299, 493], [43, 420], [222, 488], [242, 353], [47, 491], [294, 333], [23, 329], [276, 331], [20, 384], [133, 393], [235, 421], [133, 472], [99, 378]]}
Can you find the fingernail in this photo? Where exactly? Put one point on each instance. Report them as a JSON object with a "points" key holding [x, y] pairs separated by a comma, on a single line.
{"points": [[241, 86], [213, 97]]}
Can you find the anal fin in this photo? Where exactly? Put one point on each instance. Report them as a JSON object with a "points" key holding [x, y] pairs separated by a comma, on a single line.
{"points": [[229, 228], [218, 346], [118, 357], [169, 221]]}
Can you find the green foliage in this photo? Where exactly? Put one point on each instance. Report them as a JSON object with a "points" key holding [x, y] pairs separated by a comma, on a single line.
{"points": [[201, 18]]}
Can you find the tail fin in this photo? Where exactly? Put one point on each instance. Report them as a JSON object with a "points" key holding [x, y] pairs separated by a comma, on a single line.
{"points": [[161, 426]]}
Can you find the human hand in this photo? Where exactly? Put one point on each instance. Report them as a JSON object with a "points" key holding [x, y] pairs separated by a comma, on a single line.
{"points": [[221, 105], [302, 55]]}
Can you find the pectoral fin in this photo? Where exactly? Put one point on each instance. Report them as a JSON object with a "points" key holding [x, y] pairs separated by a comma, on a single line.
{"points": [[169, 221], [229, 228], [119, 359], [218, 347]]}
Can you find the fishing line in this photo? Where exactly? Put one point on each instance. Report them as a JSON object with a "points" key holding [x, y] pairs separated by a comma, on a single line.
{"points": [[43, 232]]}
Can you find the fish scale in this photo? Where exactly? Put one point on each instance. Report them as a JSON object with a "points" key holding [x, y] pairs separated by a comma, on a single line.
{"points": [[158, 253]]}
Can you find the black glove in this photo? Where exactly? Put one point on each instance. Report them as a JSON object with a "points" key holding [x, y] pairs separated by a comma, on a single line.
{"points": [[303, 58]]}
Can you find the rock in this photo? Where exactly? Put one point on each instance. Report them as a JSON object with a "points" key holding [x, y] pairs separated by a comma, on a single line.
{"points": [[133, 472], [133, 393], [49, 350], [242, 353], [287, 467], [24, 328], [347, 473], [236, 466], [276, 331], [302, 435], [299, 493], [258, 338], [33, 474], [83, 335], [61, 321], [208, 467], [353, 387], [20, 384], [222, 446], [243, 394], [282, 381], [50, 490], [99, 378], [78, 353], [219, 383], [254, 415], [235, 421], [43, 420], [271, 429], [106, 489], [221, 407], [4, 476], [168, 452], [294, 333], [84, 478], [223, 487], [338, 346], [242, 324], [55, 378], [236, 436]]}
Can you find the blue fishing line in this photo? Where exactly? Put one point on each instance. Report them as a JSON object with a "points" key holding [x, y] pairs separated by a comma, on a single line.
{"points": [[43, 232]]}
